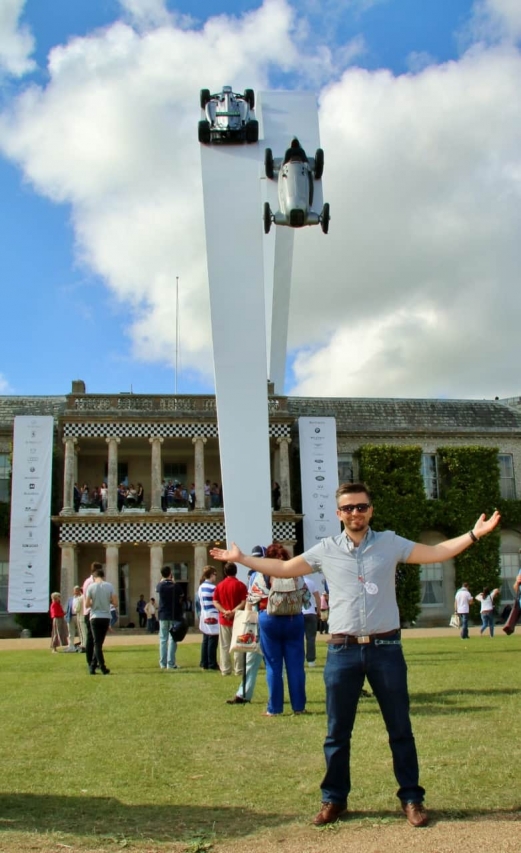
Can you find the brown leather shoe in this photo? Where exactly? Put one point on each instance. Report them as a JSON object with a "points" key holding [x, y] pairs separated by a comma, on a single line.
{"points": [[415, 814], [329, 813]]}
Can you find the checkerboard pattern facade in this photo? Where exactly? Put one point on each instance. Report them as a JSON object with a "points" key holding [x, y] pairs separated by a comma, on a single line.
{"points": [[148, 430], [95, 533]]}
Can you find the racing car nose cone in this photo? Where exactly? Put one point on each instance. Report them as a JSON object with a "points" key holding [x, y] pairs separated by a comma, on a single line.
{"points": [[296, 218]]}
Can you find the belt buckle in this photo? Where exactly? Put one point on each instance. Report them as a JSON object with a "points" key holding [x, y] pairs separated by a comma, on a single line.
{"points": [[363, 640]]}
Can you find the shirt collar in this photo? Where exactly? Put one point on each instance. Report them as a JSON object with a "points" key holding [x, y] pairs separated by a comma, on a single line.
{"points": [[350, 545]]}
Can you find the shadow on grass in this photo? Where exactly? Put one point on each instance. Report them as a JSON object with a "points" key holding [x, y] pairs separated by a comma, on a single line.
{"points": [[435, 816], [107, 816]]}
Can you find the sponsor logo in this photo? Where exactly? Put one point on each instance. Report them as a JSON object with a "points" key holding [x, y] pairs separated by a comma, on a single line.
{"points": [[319, 461], [320, 477], [317, 429]]}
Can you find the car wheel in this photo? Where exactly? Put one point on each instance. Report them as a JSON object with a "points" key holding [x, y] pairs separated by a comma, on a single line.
{"points": [[249, 97], [205, 97], [204, 132], [324, 219], [319, 163], [252, 131], [267, 218], [268, 163]]}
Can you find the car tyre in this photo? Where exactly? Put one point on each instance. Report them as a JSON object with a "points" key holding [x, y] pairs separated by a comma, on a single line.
{"points": [[249, 97], [324, 219], [204, 132], [252, 131], [268, 164], [205, 97], [319, 163], [267, 217]]}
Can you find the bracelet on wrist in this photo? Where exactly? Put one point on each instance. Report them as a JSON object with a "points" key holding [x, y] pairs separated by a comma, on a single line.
{"points": [[473, 536]]}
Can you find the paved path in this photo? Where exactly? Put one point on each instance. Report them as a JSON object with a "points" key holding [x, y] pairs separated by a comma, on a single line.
{"points": [[136, 638]]}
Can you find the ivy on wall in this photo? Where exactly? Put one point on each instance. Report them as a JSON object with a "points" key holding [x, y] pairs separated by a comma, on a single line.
{"points": [[469, 478], [393, 474], [470, 485]]}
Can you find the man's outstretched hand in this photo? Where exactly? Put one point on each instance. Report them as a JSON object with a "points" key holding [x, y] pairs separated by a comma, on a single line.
{"points": [[227, 555]]}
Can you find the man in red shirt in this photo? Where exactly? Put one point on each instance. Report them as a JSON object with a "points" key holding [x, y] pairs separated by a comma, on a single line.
{"points": [[229, 596]]}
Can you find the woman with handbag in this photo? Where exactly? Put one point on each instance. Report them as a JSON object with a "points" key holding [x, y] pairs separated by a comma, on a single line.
{"points": [[281, 632], [208, 619]]}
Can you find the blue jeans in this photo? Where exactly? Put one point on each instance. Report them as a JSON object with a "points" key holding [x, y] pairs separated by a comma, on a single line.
{"points": [[464, 625], [487, 621], [344, 673], [209, 645], [167, 645], [253, 662], [282, 642], [310, 631]]}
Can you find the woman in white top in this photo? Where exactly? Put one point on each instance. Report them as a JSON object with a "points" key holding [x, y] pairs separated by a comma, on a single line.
{"points": [[486, 599]]}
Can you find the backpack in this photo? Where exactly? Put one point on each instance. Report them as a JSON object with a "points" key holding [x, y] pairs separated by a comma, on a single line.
{"points": [[285, 598]]}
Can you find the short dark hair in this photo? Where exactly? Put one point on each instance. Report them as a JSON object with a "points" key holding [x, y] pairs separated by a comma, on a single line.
{"points": [[230, 570], [353, 489], [99, 573], [94, 567], [166, 571]]}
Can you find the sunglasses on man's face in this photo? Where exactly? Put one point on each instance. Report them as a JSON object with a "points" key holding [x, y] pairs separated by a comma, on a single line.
{"points": [[349, 508]]}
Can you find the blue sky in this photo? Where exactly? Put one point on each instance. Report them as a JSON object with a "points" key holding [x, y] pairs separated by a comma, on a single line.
{"points": [[85, 285]]}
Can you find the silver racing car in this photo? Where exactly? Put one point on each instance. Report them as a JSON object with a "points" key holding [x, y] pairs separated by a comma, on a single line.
{"points": [[296, 176], [228, 117]]}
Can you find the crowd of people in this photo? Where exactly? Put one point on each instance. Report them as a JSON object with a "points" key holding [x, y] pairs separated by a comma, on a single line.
{"points": [[130, 496], [91, 612], [174, 495]]}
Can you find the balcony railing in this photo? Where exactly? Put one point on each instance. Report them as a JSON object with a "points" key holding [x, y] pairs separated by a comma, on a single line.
{"points": [[156, 403]]}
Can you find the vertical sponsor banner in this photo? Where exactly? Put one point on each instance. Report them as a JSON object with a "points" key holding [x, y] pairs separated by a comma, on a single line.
{"points": [[319, 476], [30, 515]]}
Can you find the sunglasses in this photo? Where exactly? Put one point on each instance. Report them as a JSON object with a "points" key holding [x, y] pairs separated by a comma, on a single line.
{"points": [[349, 508]]}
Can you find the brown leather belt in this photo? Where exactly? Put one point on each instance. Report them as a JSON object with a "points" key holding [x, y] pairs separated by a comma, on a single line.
{"points": [[350, 639]]}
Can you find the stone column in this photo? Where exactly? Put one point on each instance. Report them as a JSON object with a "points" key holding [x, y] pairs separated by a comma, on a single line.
{"points": [[112, 479], [156, 564], [112, 564], [155, 476], [199, 443], [285, 486], [200, 561], [69, 570], [68, 477], [76, 454]]}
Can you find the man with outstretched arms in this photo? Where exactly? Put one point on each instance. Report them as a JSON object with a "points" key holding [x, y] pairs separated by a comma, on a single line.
{"points": [[359, 566]]}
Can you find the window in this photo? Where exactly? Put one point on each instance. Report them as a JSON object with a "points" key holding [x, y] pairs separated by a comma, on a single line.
{"points": [[180, 571], [4, 582], [174, 470], [509, 572], [430, 475], [431, 581], [346, 468], [122, 473], [123, 591], [507, 486], [5, 472]]}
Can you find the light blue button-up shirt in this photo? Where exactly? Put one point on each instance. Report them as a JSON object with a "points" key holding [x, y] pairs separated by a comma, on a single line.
{"points": [[361, 580]]}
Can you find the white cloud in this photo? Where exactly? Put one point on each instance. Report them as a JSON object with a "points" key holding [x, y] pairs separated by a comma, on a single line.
{"points": [[5, 387], [414, 291], [16, 41], [496, 20]]}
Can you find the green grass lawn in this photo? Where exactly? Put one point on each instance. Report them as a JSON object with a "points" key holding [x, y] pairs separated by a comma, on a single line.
{"points": [[144, 757]]}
